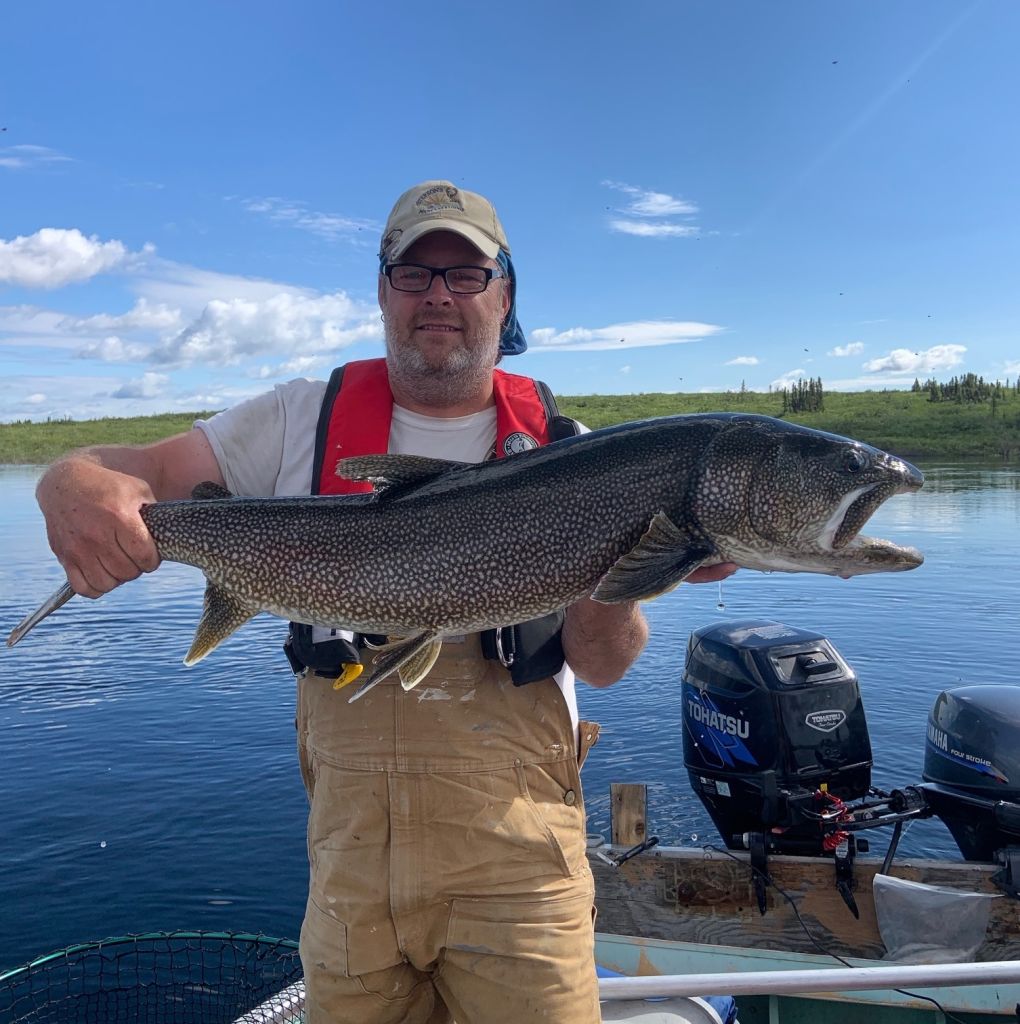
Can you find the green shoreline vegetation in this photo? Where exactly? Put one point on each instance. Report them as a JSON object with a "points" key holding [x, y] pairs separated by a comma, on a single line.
{"points": [[913, 424]]}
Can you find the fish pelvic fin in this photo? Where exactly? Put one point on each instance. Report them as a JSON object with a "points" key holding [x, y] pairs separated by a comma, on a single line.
{"points": [[222, 614], [51, 604], [412, 658], [661, 560], [394, 470]]}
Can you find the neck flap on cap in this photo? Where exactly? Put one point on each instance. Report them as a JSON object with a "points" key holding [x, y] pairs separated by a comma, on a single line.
{"points": [[511, 341]]}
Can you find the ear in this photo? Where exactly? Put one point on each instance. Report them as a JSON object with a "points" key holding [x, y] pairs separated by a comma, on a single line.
{"points": [[381, 292], [506, 296]]}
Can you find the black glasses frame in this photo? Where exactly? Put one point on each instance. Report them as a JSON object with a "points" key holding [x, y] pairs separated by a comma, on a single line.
{"points": [[489, 272]]}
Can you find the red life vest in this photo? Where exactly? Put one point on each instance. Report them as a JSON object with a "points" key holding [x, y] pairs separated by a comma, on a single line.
{"points": [[355, 420], [360, 414]]}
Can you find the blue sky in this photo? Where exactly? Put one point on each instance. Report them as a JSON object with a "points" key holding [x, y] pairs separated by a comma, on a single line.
{"points": [[698, 194]]}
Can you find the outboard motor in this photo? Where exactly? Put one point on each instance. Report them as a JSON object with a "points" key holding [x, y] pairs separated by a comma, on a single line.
{"points": [[972, 767], [774, 733]]}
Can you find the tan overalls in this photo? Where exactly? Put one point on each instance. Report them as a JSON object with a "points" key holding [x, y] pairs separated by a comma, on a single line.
{"points": [[446, 840]]}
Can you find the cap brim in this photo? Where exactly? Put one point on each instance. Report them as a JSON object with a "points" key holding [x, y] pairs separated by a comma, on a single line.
{"points": [[485, 245]]}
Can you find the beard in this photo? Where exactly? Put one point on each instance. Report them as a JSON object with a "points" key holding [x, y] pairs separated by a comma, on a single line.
{"points": [[442, 378]]}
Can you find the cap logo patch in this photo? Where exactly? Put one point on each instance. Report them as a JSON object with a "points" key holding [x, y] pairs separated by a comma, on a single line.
{"points": [[518, 442], [438, 198]]}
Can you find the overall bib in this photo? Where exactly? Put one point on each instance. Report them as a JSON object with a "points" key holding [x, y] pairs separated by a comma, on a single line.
{"points": [[446, 839]]}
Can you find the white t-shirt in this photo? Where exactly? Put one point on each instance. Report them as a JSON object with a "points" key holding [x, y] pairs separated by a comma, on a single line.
{"points": [[265, 448]]}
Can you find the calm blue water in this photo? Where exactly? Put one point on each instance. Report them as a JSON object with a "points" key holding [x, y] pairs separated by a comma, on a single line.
{"points": [[137, 794]]}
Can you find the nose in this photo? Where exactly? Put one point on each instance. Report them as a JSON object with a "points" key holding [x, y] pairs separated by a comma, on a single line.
{"points": [[437, 293]]}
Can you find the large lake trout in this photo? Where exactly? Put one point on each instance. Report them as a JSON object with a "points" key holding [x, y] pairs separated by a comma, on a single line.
{"points": [[620, 514]]}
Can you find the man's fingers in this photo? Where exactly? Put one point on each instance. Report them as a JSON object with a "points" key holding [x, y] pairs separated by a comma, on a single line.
{"points": [[138, 547]]}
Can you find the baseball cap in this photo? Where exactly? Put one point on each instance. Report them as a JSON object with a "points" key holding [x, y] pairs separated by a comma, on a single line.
{"points": [[441, 206]]}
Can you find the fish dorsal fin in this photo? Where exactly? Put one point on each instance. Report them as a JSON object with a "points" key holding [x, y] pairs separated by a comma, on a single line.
{"points": [[660, 561], [222, 613], [207, 490], [394, 470]]}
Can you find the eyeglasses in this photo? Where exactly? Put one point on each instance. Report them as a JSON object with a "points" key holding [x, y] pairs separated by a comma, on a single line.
{"points": [[412, 277]]}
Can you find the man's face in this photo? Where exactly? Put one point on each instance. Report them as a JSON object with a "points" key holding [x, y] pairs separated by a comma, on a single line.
{"points": [[439, 344]]}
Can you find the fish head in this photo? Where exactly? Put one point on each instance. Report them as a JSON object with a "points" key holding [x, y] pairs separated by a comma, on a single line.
{"points": [[806, 495]]}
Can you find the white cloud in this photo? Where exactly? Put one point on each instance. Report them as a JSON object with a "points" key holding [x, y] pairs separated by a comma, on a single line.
{"points": [[330, 226], [113, 349], [646, 203], [904, 360], [142, 316], [37, 399], [149, 385], [228, 330], [24, 156], [54, 257], [788, 378], [645, 214], [636, 334], [855, 348], [625, 369], [652, 229], [1012, 367], [743, 361], [300, 366]]}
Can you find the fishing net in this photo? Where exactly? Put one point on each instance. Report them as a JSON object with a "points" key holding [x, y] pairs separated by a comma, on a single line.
{"points": [[159, 978]]}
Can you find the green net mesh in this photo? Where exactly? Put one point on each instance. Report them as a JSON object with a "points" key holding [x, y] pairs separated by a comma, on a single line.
{"points": [[159, 978]]}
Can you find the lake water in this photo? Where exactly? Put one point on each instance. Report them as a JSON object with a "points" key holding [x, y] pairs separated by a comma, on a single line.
{"points": [[138, 795]]}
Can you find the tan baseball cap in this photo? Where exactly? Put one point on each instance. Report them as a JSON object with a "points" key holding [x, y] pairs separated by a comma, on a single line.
{"points": [[441, 206]]}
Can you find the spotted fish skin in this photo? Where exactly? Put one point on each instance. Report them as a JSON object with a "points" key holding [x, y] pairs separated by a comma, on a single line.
{"points": [[623, 513]]}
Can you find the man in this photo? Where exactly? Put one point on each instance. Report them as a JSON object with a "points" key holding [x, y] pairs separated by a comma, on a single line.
{"points": [[446, 831]]}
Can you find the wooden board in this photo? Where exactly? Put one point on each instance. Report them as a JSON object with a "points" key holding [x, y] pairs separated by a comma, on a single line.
{"points": [[700, 896]]}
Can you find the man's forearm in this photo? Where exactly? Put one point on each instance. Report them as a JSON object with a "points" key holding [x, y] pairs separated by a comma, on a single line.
{"points": [[602, 641]]}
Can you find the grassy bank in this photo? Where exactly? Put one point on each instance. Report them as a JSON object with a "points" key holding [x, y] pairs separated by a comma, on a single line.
{"points": [[898, 421]]}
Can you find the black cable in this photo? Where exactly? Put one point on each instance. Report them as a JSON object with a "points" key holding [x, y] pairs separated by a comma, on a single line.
{"points": [[807, 931]]}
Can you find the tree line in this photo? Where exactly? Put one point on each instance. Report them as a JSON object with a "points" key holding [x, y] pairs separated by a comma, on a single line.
{"points": [[970, 388]]}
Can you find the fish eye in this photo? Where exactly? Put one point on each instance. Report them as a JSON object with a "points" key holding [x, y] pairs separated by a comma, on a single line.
{"points": [[854, 461]]}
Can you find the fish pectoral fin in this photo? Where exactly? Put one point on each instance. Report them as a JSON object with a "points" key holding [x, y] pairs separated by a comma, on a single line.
{"points": [[394, 470], [51, 604], [207, 491], [222, 614], [662, 559], [412, 658]]}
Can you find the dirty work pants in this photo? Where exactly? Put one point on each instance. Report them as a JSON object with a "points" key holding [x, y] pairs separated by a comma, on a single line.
{"points": [[446, 843]]}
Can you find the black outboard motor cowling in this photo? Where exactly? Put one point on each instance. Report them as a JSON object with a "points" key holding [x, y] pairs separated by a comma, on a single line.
{"points": [[771, 715], [972, 767]]}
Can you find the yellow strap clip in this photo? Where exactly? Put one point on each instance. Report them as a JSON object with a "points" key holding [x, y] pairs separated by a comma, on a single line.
{"points": [[349, 674]]}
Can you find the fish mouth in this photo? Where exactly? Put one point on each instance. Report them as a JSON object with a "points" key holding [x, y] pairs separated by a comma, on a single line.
{"points": [[853, 512]]}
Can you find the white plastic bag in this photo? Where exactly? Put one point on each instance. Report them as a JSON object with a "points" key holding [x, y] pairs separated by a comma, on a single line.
{"points": [[929, 924]]}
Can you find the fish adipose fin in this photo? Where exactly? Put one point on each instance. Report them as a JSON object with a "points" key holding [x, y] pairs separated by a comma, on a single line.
{"points": [[222, 613], [207, 491], [394, 470], [412, 658], [662, 559]]}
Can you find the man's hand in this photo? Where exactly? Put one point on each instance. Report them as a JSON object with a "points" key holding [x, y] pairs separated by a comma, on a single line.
{"points": [[92, 502], [94, 526]]}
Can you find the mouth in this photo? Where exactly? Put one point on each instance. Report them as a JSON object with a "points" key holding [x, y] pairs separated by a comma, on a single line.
{"points": [[853, 512], [438, 328]]}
